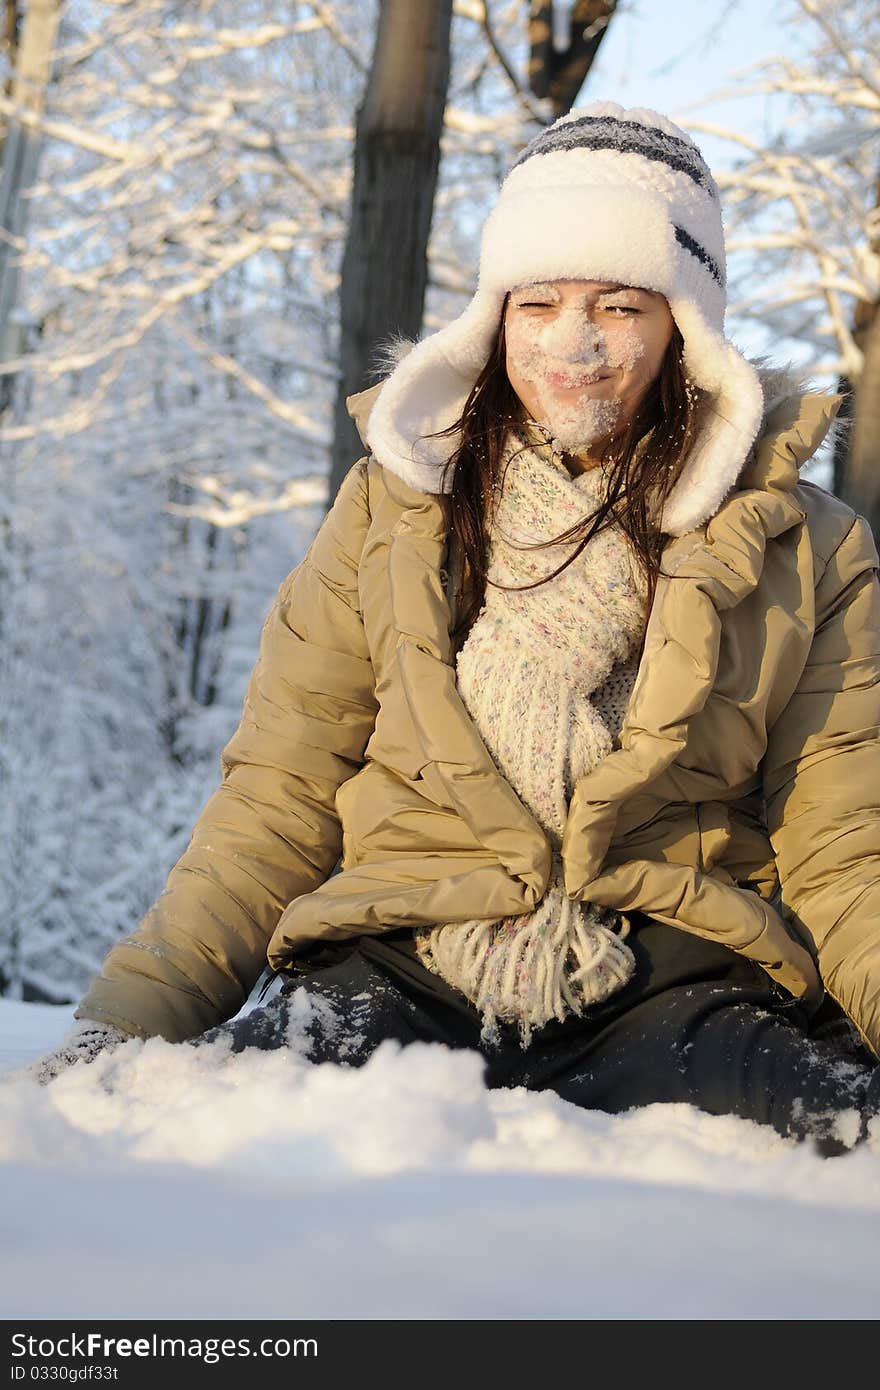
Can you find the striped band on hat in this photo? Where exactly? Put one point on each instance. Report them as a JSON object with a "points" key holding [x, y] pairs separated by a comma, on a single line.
{"points": [[626, 137], [691, 244]]}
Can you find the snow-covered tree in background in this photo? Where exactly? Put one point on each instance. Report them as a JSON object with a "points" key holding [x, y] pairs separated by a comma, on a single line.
{"points": [[803, 219], [163, 461], [179, 254]]}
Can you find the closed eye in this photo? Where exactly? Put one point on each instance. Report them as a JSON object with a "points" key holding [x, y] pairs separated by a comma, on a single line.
{"points": [[604, 308]]}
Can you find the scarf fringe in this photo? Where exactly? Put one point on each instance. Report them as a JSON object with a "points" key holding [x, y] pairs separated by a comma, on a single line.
{"points": [[527, 970]]}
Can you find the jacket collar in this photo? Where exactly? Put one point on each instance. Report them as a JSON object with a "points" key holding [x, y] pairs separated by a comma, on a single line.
{"points": [[703, 574], [794, 423]]}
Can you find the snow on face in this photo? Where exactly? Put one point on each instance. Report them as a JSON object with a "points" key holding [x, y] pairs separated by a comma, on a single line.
{"points": [[581, 354]]}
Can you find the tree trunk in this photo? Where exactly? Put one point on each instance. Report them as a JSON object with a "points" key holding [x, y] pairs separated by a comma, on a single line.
{"points": [[21, 147], [11, 21], [861, 482], [559, 62], [396, 158]]}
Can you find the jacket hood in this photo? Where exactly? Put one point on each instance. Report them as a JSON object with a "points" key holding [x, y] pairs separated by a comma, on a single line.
{"points": [[794, 418]]}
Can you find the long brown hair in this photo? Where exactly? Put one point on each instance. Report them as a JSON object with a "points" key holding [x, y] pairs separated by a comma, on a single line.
{"points": [[639, 479]]}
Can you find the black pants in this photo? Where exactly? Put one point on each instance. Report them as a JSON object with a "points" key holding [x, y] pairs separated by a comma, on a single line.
{"points": [[696, 1023]]}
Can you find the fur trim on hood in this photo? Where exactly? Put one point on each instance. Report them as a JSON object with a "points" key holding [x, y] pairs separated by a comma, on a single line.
{"points": [[709, 479]]}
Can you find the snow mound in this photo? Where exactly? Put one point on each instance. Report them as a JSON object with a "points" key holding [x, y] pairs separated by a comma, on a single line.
{"points": [[409, 1168]]}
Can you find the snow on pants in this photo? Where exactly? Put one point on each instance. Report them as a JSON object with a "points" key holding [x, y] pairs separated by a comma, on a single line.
{"points": [[697, 1023]]}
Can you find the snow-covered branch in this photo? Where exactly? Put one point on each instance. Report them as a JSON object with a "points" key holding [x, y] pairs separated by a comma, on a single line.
{"points": [[801, 208]]}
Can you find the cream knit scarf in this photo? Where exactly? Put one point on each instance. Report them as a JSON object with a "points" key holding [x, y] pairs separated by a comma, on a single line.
{"points": [[527, 673]]}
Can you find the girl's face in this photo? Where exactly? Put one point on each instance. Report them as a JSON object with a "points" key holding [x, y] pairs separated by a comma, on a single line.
{"points": [[581, 354]]}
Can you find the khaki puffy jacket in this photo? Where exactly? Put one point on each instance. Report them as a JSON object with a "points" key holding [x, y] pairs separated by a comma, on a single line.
{"points": [[741, 803]]}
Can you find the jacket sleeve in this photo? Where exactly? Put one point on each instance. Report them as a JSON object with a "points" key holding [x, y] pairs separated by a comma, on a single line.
{"points": [[822, 785], [270, 832]]}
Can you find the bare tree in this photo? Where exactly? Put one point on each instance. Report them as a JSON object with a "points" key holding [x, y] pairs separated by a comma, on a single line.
{"points": [[396, 159]]}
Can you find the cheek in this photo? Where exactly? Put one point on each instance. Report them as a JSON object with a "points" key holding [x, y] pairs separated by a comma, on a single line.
{"points": [[523, 349], [522, 341], [640, 350], [517, 359]]}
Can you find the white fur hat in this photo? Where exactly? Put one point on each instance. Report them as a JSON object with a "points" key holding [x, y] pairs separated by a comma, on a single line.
{"points": [[604, 193]]}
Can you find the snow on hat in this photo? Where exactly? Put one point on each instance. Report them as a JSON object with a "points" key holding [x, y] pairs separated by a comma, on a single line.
{"points": [[604, 193]]}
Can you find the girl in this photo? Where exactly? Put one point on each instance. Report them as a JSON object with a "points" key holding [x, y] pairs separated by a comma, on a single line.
{"points": [[578, 687]]}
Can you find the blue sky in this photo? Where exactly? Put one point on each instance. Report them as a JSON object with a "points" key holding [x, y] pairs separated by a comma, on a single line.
{"points": [[674, 55]]}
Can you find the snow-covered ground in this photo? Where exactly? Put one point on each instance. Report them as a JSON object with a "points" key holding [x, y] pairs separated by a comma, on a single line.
{"points": [[169, 1182]]}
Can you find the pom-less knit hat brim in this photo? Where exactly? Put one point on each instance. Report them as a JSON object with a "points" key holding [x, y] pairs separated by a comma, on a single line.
{"points": [[604, 229]]}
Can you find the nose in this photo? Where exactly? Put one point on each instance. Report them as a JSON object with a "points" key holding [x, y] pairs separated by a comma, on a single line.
{"points": [[576, 332]]}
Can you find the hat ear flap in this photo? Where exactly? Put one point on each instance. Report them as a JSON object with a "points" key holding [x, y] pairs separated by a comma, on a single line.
{"points": [[427, 391], [731, 414]]}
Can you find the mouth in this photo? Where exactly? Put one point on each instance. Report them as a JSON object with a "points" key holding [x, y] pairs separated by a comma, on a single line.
{"points": [[575, 379]]}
